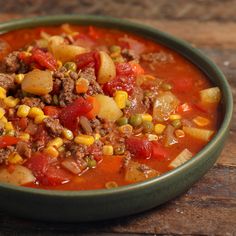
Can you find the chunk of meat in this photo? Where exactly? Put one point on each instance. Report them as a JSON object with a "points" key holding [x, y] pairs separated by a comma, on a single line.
{"points": [[135, 172], [11, 62], [53, 125], [4, 153], [32, 102], [158, 57], [23, 149], [7, 81]]}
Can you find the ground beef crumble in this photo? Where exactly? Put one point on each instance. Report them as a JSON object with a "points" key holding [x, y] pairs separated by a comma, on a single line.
{"points": [[53, 125]]}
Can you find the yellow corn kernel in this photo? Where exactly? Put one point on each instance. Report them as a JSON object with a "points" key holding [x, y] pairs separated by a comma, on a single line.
{"points": [[107, 150], [11, 101], [3, 93], [179, 133], [51, 151], [159, 128], [59, 64], [15, 158], [11, 132], [56, 142], [9, 126], [126, 129], [146, 117], [68, 134], [19, 78], [97, 137], [2, 112], [23, 111], [39, 119], [201, 121], [24, 137], [174, 117], [152, 137], [84, 139], [35, 111], [4, 120], [120, 98]]}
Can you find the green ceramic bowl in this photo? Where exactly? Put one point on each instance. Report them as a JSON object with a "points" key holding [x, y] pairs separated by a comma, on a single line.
{"points": [[93, 205]]}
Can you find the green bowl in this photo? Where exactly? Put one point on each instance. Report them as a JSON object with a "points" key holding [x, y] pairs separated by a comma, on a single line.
{"points": [[69, 206]]}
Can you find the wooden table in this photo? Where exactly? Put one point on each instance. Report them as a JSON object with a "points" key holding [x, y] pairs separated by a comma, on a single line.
{"points": [[209, 207]]}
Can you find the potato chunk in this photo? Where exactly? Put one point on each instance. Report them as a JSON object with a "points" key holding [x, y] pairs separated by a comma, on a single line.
{"points": [[107, 70], [37, 82], [210, 95], [108, 108], [21, 175], [202, 134], [135, 172]]}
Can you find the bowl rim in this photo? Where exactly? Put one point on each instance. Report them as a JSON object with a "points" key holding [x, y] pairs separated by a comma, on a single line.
{"points": [[139, 29]]}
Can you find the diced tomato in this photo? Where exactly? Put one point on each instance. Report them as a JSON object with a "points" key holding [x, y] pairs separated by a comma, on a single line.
{"points": [[68, 115], [8, 141], [139, 147], [111, 164], [158, 151], [183, 85], [137, 68], [87, 60], [125, 80], [93, 33], [55, 176], [200, 108], [44, 59], [23, 122], [96, 107], [41, 135], [51, 111], [38, 163]]}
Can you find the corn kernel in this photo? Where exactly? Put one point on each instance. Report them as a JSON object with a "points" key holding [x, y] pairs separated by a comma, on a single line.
{"points": [[179, 133], [35, 111], [15, 158], [51, 151], [201, 121], [107, 150], [84, 139], [68, 134], [4, 120], [97, 137], [146, 117], [56, 142], [59, 64], [152, 137], [2, 112], [9, 126], [39, 119], [120, 98], [24, 137], [23, 111], [174, 117], [3, 93], [11, 101], [19, 78], [126, 129], [159, 128]]}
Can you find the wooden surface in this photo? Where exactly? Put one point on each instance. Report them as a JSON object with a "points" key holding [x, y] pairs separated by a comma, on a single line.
{"points": [[209, 207]]}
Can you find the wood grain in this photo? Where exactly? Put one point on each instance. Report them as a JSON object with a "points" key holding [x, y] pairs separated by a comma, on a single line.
{"points": [[209, 207]]}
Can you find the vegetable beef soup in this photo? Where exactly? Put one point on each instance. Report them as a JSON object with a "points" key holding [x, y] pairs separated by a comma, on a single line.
{"points": [[89, 108]]}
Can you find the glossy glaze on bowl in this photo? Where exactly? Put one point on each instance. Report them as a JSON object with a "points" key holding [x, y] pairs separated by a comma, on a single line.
{"points": [[90, 205]]}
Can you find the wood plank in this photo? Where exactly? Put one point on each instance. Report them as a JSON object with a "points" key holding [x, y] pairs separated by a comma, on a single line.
{"points": [[208, 208], [149, 9]]}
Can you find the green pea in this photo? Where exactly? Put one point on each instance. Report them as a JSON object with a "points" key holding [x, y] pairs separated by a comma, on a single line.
{"points": [[122, 121], [119, 150], [147, 126], [176, 123], [115, 48], [128, 103], [135, 120], [91, 163], [70, 66], [166, 86], [55, 99]]}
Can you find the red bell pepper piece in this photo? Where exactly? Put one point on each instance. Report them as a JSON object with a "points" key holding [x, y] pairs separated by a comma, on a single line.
{"points": [[139, 147], [8, 141], [44, 59], [68, 115]]}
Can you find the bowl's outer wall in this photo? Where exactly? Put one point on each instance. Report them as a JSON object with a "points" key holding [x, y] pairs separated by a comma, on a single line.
{"points": [[56, 207]]}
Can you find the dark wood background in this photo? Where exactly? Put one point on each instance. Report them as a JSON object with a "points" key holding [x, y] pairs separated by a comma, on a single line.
{"points": [[209, 207]]}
